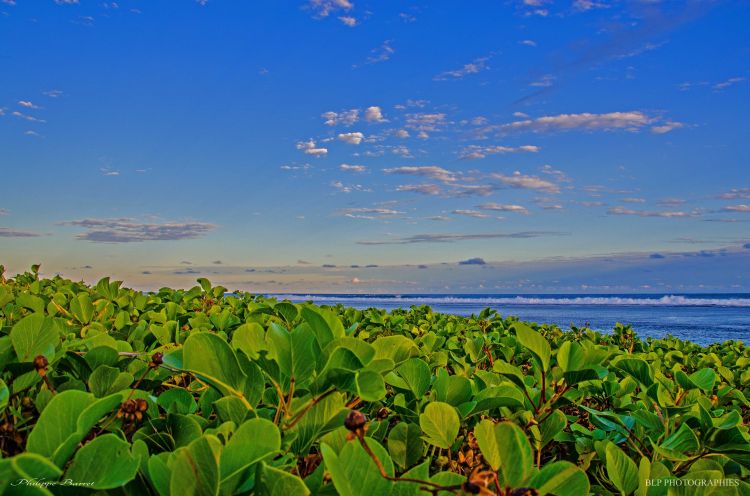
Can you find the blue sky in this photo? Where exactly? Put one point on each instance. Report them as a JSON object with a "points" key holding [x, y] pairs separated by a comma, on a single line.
{"points": [[578, 146]]}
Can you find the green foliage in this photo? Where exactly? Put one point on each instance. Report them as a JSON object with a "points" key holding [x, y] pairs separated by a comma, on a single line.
{"points": [[204, 392]]}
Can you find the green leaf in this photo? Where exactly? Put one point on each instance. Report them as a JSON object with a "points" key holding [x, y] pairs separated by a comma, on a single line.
{"points": [[254, 441], [416, 374], [213, 360], [354, 473], [704, 379], [107, 380], [638, 369], [195, 469], [271, 481], [561, 479], [534, 342], [34, 335], [4, 395], [324, 324], [106, 461], [621, 469], [249, 338], [178, 400], [682, 441], [405, 444], [370, 385], [82, 308], [57, 422], [571, 356], [505, 447], [440, 424]]}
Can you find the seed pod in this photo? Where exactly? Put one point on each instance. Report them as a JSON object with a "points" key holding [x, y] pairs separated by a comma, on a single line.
{"points": [[355, 420], [156, 359], [471, 487], [40, 363]]}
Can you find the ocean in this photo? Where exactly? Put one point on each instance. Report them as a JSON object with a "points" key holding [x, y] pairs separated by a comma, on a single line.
{"points": [[701, 318]]}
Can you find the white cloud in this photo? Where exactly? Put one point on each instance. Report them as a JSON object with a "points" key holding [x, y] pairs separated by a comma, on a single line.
{"points": [[634, 200], [287, 167], [425, 188], [323, 8], [503, 208], [402, 133], [310, 148], [29, 118], [374, 114], [650, 213], [737, 208], [53, 93], [352, 138], [473, 67], [530, 43], [348, 188], [427, 122], [352, 168], [631, 121], [473, 152], [544, 82], [584, 5], [736, 194], [470, 213], [557, 174], [518, 180], [431, 171], [726, 84], [27, 104], [345, 117], [381, 53], [666, 127], [348, 20], [369, 212]]}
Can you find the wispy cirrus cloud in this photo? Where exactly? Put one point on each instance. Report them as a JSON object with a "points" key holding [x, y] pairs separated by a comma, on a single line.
{"points": [[736, 208], [380, 54], [470, 213], [455, 237], [474, 67], [27, 117], [128, 230], [8, 232], [369, 213], [669, 214], [585, 121], [504, 207], [474, 152], [736, 194]]}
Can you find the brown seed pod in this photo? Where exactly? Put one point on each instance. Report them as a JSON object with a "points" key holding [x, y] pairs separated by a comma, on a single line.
{"points": [[41, 363], [355, 420], [156, 360], [471, 487]]}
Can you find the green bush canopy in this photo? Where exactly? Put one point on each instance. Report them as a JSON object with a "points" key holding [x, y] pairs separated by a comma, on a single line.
{"points": [[108, 390]]}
